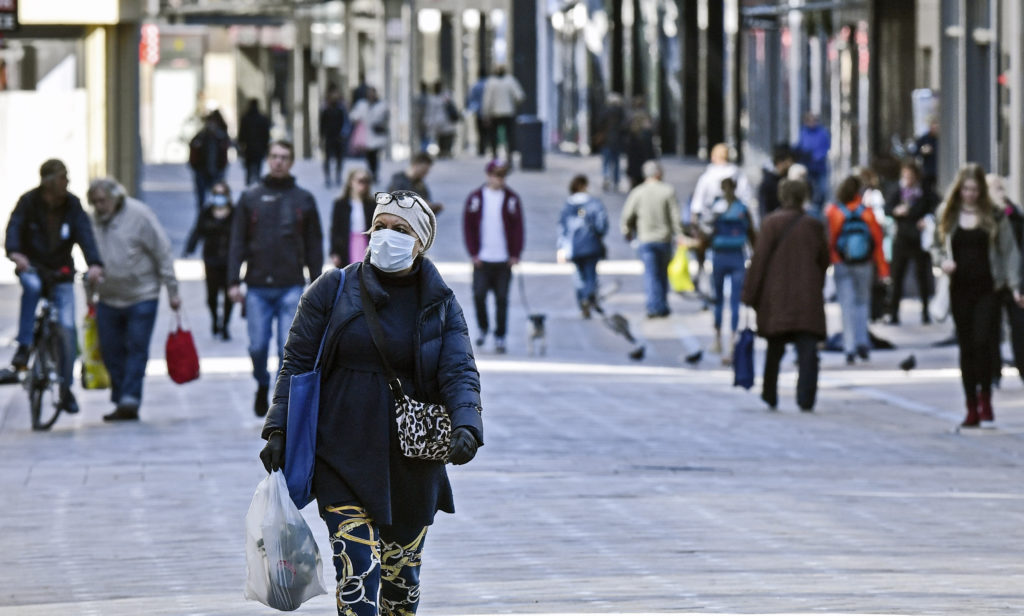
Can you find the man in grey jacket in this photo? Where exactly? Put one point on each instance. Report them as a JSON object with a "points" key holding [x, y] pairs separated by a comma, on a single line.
{"points": [[276, 232], [137, 261]]}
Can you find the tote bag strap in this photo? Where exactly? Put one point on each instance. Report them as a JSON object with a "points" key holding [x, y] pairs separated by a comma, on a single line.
{"points": [[323, 339]]}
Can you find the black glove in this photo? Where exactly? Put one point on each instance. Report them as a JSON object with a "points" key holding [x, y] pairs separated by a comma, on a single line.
{"points": [[273, 453], [463, 446]]}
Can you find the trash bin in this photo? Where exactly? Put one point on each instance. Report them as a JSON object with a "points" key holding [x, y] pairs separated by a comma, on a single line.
{"points": [[530, 142]]}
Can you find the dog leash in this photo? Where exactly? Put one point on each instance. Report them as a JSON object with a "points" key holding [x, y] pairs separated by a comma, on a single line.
{"points": [[522, 292]]}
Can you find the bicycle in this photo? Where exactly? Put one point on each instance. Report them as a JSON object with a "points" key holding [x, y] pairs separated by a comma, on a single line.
{"points": [[43, 379]]}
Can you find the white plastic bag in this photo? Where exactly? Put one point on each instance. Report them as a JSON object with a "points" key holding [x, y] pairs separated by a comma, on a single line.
{"points": [[283, 566]]}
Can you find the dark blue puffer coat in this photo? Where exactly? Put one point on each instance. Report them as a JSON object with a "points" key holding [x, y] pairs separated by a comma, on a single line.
{"points": [[357, 451]]}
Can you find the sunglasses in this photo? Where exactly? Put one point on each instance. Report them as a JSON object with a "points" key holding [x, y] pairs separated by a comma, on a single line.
{"points": [[403, 198]]}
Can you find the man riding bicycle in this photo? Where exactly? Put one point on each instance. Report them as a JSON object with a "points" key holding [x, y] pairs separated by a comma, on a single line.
{"points": [[46, 223]]}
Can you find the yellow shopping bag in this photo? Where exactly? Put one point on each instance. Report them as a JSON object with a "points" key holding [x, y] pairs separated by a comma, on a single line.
{"points": [[94, 372], [679, 271]]}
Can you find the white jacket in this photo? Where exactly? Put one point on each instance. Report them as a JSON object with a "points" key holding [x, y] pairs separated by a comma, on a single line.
{"points": [[502, 96], [709, 188]]}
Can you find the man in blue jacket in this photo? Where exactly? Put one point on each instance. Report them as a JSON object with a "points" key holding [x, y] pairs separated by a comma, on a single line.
{"points": [[812, 149], [45, 225]]}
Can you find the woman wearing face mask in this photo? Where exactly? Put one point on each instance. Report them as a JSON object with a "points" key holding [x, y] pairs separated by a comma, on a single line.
{"points": [[214, 231], [377, 503]]}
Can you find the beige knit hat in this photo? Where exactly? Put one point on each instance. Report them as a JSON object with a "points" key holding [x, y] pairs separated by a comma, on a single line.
{"points": [[411, 208]]}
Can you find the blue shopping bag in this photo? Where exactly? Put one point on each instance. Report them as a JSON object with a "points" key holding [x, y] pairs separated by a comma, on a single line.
{"points": [[300, 431], [743, 359]]}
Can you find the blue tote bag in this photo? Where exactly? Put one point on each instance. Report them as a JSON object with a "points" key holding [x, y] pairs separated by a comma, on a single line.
{"points": [[303, 411]]}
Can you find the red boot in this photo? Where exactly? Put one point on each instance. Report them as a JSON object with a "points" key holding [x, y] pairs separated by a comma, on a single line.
{"points": [[973, 420], [985, 414]]}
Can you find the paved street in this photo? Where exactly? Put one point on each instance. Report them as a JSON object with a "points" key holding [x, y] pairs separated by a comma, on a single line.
{"points": [[606, 486]]}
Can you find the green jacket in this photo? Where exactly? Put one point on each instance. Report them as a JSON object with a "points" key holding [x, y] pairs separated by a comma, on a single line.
{"points": [[651, 213]]}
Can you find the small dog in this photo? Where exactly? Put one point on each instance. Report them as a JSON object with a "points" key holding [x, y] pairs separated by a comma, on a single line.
{"points": [[536, 334]]}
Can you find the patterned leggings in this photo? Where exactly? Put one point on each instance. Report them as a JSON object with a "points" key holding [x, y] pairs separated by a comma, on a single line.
{"points": [[374, 565]]}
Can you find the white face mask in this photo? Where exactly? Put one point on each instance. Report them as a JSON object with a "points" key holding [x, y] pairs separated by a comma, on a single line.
{"points": [[391, 251]]}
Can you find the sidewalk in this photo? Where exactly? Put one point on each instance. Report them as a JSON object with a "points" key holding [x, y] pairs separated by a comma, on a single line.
{"points": [[606, 486]]}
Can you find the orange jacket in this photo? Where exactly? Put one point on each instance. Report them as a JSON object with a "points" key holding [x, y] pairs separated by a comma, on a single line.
{"points": [[835, 222]]}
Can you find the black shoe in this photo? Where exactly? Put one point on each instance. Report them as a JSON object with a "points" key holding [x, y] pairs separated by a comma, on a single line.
{"points": [[926, 318], [851, 359], [123, 412], [68, 404], [499, 345], [480, 341], [772, 401], [216, 330], [260, 406], [225, 335], [20, 359], [862, 352]]}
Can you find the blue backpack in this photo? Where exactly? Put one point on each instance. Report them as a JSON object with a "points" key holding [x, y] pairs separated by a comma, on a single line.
{"points": [[855, 243], [731, 228]]}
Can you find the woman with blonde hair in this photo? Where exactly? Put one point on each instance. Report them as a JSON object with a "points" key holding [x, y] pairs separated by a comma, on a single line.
{"points": [[974, 246]]}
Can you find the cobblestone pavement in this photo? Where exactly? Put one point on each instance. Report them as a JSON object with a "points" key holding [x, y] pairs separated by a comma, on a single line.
{"points": [[606, 486]]}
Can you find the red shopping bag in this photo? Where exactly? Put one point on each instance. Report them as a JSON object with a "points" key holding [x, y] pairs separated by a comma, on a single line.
{"points": [[182, 359]]}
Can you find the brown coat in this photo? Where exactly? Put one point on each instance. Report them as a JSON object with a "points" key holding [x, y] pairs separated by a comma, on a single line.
{"points": [[791, 284]]}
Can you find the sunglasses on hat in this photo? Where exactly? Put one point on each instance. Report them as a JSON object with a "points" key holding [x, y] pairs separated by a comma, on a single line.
{"points": [[402, 198]]}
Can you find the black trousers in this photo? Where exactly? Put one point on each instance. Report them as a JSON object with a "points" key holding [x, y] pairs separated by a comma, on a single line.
{"points": [[1015, 319], [373, 163], [905, 250], [488, 277], [976, 316], [334, 149], [217, 285], [493, 133], [807, 365]]}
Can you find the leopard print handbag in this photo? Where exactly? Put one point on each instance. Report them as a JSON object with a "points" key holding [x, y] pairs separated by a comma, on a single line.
{"points": [[424, 429]]}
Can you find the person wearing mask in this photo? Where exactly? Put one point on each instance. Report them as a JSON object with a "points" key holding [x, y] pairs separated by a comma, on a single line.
{"points": [[350, 219], [855, 244], [214, 231], [377, 504], [413, 178], [276, 233], [137, 262], [493, 230], [784, 285], [908, 205], [974, 246], [45, 225], [253, 141], [651, 218], [581, 230], [374, 113]]}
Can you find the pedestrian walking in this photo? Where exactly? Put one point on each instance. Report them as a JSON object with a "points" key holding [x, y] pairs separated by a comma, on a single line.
{"points": [[651, 218], [334, 127], [208, 156], [214, 231], [612, 129], [45, 225], [441, 119], [768, 191], [909, 205], [413, 178], [350, 219], [926, 149], [855, 244], [502, 97], [276, 233], [253, 140], [730, 227], [137, 263], [1014, 312], [374, 114], [378, 504], [974, 246], [812, 148], [784, 285], [639, 145], [492, 225], [474, 105], [581, 230]]}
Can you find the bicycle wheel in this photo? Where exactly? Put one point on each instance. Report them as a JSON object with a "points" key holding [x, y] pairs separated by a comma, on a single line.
{"points": [[45, 375]]}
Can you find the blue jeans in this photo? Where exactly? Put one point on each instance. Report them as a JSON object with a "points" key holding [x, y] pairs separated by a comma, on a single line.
{"points": [[262, 306], [610, 159], [731, 265], [64, 296], [124, 344], [655, 257], [819, 188], [853, 289], [586, 279]]}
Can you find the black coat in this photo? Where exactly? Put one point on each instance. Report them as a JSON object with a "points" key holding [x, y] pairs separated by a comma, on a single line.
{"points": [[356, 438], [49, 243], [341, 224], [215, 233], [254, 135]]}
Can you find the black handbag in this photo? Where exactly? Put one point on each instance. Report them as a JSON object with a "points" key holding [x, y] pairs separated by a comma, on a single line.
{"points": [[424, 429]]}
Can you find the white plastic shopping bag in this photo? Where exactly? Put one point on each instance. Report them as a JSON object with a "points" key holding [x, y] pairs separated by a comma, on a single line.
{"points": [[282, 559]]}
